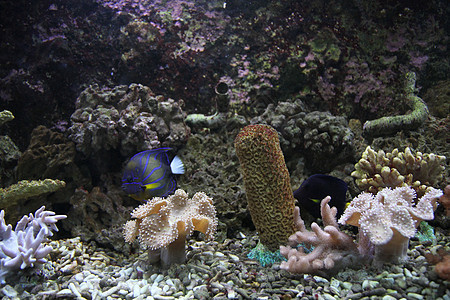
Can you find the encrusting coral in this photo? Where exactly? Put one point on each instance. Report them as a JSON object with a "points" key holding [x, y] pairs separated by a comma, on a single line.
{"points": [[389, 219], [377, 170], [22, 247], [414, 119], [165, 223], [267, 184], [329, 245], [28, 188]]}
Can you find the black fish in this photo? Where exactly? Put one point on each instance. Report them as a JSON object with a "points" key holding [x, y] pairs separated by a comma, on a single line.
{"points": [[317, 187]]}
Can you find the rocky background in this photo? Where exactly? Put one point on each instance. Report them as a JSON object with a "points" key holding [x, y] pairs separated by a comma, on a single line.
{"points": [[90, 83]]}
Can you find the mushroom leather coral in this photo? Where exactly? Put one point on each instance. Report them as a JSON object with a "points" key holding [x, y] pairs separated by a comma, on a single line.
{"points": [[164, 223], [389, 219]]}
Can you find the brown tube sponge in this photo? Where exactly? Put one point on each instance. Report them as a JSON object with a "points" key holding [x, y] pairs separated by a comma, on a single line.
{"points": [[267, 185]]}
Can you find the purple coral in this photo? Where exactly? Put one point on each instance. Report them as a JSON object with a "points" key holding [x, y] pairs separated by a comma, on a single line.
{"points": [[23, 247]]}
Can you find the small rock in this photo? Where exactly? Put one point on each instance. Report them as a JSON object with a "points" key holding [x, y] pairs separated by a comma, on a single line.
{"points": [[319, 279], [234, 257], [9, 291], [328, 297], [79, 277], [415, 296], [64, 293]]}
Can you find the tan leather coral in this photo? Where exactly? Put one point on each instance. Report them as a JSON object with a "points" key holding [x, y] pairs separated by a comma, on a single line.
{"points": [[389, 219], [165, 223]]}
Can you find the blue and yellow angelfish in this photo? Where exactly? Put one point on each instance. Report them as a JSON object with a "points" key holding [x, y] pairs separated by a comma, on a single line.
{"points": [[151, 174]]}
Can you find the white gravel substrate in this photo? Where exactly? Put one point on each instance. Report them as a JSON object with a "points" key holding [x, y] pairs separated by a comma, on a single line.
{"points": [[214, 271]]}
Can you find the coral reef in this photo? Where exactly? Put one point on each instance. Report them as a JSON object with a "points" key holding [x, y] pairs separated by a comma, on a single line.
{"points": [[214, 169], [23, 247], [127, 118], [389, 219], [98, 215], [28, 188], [317, 135], [9, 152], [164, 224], [377, 170], [267, 184], [437, 98], [329, 245], [410, 121], [51, 155]]}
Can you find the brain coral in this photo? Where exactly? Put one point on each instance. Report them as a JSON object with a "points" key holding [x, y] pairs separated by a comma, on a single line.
{"points": [[165, 223], [267, 185], [128, 118]]}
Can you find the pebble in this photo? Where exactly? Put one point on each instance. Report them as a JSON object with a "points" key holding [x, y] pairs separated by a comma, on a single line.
{"points": [[234, 257], [9, 291], [401, 282], [369, 284], [320, 279], [64, 293], [214, 271], [415, 296], [79, 277]]}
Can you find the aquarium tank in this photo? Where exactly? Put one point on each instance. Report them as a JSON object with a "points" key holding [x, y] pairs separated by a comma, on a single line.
{"points": [[224, 149]]}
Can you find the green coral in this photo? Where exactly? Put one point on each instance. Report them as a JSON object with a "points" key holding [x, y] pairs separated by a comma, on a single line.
{"points": [[426, 233], [25, 189], [388, 125], [325, 45], [264, 256]]}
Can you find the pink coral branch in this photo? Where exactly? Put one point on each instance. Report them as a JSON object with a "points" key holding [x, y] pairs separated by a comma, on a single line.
{"points": [[330, 245]]}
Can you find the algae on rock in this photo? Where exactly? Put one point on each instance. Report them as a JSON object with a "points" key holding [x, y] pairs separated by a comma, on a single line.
{"points": [[28, 188]]}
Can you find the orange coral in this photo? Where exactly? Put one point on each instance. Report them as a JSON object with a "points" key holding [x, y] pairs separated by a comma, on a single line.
{"points": [[443, 268], [441, 260]]}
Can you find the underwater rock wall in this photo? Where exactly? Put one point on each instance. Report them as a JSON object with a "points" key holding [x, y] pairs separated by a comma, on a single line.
{"points": [[127, 118]]}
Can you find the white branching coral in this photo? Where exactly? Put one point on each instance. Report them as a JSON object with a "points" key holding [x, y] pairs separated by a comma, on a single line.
{"points": [[22, 247], [389, 219], [377, 170], [165, 223], [328, 246]]}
